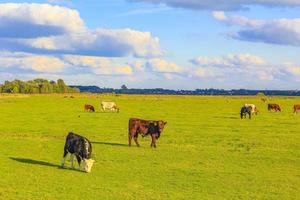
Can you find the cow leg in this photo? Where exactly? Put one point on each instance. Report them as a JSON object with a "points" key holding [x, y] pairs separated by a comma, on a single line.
{"points": [[64, 159], [129, 139], [79, 162], [72, 161], [153, 141], [136, 140]]}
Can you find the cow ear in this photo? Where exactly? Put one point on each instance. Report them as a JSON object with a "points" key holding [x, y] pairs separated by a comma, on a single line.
{"points": [[165, 123]]}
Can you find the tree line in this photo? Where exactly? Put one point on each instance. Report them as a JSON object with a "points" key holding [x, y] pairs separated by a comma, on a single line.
{"points": [[36, 86], [233, 92]]}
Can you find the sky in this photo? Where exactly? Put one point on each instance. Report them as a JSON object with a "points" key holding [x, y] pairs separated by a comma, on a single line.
{"points": [[174, 44]]}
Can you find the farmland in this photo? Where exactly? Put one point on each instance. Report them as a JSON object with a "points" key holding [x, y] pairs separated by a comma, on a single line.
{"points": [[205, 152]]}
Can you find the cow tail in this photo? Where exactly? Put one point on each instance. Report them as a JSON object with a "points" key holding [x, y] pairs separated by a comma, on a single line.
{"points": [[129, 128]]}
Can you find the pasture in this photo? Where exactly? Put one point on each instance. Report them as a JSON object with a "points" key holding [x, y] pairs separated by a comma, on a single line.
{"points": [[205, 152]]}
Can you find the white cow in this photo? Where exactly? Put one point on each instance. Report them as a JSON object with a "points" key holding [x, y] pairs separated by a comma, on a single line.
{"points": [[109, 106], [254, 109]]}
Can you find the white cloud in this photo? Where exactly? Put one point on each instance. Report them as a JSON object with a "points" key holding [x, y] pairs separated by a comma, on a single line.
{"points": [[277, 31], [18, 61], [222, 4], [33, 62], [291, 68], [138, 65], [37, 20], [244, 69], [203, 72], [99, 65], [163, 66], [44, 28], [219, 15], [231, 60], [244, 66]]}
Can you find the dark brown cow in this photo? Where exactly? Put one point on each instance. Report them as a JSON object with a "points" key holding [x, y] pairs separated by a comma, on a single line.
{"points": [[89, 108], [144, 127], [273, 106], [296, 108]]}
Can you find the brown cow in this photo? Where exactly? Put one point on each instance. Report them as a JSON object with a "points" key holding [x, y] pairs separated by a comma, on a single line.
{"points": [[296, 108], [264, 99], [89, 108], [144, 127], [273, 106]]}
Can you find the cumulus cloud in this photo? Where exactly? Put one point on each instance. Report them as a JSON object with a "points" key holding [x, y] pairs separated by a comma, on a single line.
{"points": [[67, 64], [231, 60], [99, 65], [37, 20], [163, 66], [157, 65], [245, 67], [100, 42], [291, 69], [221, 4], [244, 70], [46, 28], [277, 31], [37, 63]]}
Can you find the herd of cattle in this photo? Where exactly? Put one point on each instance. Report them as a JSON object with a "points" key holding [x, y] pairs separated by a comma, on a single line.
{"points": [[112, 106], [80, 147], [250, 109]]}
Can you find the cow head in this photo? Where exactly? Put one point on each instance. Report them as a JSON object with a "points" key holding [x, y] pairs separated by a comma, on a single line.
{"points": [[88, 164], [161, 126]]}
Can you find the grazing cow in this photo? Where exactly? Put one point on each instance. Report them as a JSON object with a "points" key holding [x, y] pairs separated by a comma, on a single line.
{"points": [[273, 106], [109, 106], [264, 99], [253, 108], [89, 108], [81, 148], [145, 127], [244, 111], [296, 108]]}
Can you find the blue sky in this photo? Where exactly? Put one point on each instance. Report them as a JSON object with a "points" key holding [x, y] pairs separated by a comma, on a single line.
{"points": [[253, 44]]}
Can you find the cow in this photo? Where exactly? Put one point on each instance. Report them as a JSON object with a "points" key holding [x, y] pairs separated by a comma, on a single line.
{"points": [[145, 127], [254, 109], [264, 99], [244, 111], [80, 147], [89, 108], [273, 106], [296, 108], [109, 106]]}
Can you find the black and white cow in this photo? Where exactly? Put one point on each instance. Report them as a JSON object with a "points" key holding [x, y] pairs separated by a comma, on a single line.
{"points": [[80, 147]]}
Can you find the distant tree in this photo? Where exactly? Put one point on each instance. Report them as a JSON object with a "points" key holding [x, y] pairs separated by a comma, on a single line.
{"points": [[124, 87], [41, 86], [62, 88], [260, 94]]}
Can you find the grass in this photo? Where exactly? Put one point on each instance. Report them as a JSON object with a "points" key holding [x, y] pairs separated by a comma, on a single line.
{"points": [[205, 152]]}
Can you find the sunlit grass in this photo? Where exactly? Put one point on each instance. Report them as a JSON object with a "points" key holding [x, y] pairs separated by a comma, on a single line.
{"points": [[205, 152]]}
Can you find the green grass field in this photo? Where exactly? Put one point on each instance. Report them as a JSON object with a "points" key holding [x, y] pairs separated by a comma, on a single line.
{"points": [[205, 152]]}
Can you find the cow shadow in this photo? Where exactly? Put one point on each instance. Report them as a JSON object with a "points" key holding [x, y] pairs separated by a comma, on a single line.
{"points": [[34, 162], [111, 144], [43, 163], [223, 117]]}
